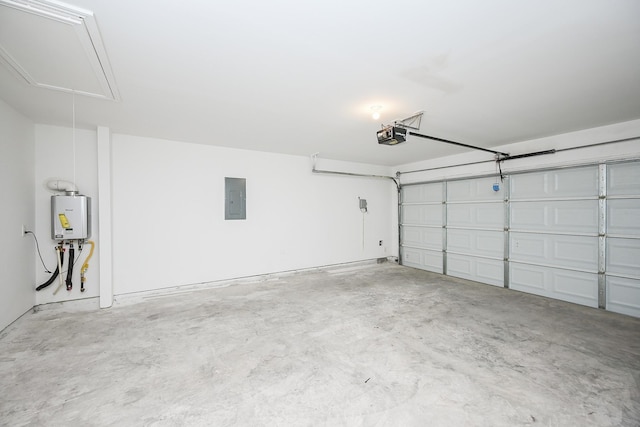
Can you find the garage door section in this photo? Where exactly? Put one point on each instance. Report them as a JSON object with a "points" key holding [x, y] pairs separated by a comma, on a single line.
{"points": [[421, 226], [623, 238], [455, 228], [571, 234], [475, 231], [554, 234]]}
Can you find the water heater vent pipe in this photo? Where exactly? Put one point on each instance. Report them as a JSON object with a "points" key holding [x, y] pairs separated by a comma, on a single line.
{"points": [[59, 186]]}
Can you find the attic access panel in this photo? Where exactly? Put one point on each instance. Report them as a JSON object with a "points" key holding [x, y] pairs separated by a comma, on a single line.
{"points": [[235, 206], [53, 45]]}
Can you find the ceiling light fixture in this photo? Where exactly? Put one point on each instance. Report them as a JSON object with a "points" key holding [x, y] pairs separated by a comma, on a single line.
{"points": [[375, 115]]}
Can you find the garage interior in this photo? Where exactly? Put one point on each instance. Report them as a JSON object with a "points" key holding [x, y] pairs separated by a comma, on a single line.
{"points": [[250, 254]]}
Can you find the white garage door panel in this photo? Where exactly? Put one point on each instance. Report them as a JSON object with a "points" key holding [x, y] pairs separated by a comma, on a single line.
{"points": [[577, 287], [422, 237], [623, 217], [568, 237], [422, 214], [565, 285], [624, 179], [580, 252], [422, 193], [476, 215], [422, 258], [472, 190], [476, 242], [575, 216], [483, 270], [623, 296], [623, 257], [582, 182]]}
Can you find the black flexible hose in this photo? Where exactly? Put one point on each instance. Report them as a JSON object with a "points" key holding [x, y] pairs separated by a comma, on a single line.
{"points": [[54, 275], [70, 269]]}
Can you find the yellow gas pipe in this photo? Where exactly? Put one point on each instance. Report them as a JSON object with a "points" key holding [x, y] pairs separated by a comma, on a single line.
{"points": [[85, 266]]}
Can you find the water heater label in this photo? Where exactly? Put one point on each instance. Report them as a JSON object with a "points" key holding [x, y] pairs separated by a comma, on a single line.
{"points": [[64, 221]]}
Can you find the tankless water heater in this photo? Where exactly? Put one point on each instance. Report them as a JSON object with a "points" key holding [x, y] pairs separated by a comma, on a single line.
{"points": [[70, 217]]}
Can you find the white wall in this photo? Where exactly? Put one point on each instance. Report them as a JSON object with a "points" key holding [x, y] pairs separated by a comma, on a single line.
{"points": [[54, 158], [168, 205], [617, 131], [168, 214], [17, 252]]}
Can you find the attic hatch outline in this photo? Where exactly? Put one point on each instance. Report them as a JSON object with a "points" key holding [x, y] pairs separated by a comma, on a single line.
{"points": [[86, 29]]}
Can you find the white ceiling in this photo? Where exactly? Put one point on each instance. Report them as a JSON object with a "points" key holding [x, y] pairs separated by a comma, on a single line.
{"points": [[300, 77]]}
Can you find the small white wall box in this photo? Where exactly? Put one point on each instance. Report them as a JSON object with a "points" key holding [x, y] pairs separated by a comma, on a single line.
{"points": [[70, 217]]}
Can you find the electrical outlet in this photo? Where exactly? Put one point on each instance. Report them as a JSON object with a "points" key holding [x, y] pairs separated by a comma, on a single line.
{"points": [[379, 242], [24, 230]]}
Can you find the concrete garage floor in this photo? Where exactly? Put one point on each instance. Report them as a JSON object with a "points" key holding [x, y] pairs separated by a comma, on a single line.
{"points": [[376, 345]]}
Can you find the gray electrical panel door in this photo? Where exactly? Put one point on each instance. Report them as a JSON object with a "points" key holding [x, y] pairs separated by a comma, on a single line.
{"points": [[235, 206]]}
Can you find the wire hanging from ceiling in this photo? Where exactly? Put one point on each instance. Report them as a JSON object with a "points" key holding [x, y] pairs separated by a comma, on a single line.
{"points": [[73, 133]]}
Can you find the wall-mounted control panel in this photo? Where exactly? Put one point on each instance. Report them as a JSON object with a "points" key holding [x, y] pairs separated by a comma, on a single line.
{"points": [[363, 204], [70, 217], [235, 206]]}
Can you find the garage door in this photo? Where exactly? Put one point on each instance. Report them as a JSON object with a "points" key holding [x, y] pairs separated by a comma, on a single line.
{"points": [[553, 238], [421, 229], [455, 228], [571, 234], [623, 238], [475, 231]]}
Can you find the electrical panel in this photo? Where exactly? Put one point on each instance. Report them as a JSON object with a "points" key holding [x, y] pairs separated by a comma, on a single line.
{"points": [[70, 217], [235, 206]]}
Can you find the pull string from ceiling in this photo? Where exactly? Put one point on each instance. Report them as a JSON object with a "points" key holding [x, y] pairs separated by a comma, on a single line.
{"points": [[73, 134]]}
